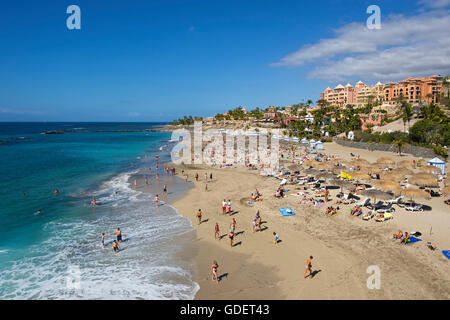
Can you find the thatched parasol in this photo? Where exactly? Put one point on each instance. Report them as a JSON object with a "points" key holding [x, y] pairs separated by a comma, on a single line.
{"points": [[424, 182], [370, 169], [446, 191], [360, 161], [388, 186], [396, 176], [413, 193], [403, 171], [385, 161], [429, 169], [376, 194], [325, 175], [342, 184], [358, 176], [405, 164]]}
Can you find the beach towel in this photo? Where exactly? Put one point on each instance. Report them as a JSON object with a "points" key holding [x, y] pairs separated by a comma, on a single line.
{"points": [[446, 253], [284, 212], [413, 239]]}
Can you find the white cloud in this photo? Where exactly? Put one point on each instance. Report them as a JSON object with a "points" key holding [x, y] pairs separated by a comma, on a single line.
{"points": [[404, 46], [435, 3]]}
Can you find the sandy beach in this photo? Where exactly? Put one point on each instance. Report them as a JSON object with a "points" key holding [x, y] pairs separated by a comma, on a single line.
{"points": [[343, 246]]}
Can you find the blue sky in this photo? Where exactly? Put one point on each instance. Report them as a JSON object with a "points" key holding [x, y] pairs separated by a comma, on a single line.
{"points": [[160, 60]]}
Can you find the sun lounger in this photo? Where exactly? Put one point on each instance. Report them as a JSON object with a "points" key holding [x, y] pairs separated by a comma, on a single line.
{"points": [[388, 208], [385, 217], [375, 206], [417, 207], [363, 203], [396, 200]]}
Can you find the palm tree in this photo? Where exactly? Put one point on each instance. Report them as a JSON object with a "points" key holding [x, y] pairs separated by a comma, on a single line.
{"points": [[293, 152], [399, 144]]}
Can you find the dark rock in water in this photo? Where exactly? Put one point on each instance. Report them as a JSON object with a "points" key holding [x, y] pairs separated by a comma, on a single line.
{"points": [[54, 132]]}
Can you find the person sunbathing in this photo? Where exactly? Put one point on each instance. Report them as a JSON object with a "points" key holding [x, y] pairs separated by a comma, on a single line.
{"points": [[354, 210], [405, 238], [368, 215], [398, 235]]}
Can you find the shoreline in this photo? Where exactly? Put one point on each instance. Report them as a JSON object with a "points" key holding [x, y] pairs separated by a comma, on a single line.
{"points": [[343, 246]]}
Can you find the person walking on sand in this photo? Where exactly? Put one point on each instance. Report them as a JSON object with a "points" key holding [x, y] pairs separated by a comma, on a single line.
{"points": [[214, 267], [210, 177], [196, 176], [231, 236], [206, 176], [164, 188], [199, 216], [216, 232], [254, 223], [224, 206], [308, 267], [229, 207], [233, 225]]}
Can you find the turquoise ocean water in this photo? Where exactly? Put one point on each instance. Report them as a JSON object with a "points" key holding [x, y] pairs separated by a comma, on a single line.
{"points": [[57, 254]]}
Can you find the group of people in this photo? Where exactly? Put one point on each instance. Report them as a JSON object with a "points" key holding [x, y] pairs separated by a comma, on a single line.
{"points": [[115, 243], [331, 211]]}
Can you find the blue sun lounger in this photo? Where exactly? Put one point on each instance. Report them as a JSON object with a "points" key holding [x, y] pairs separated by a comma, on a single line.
{"points": [[285, 213]]}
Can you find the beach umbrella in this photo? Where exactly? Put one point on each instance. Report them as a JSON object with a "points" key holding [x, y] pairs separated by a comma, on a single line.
{"points": [[423, 175], [376, 194], [429, 169], [371, 169], [396, 176], [446, 191], [413, 193], [325, 175], [385, 161], [388, 186], [358, 175], [405, 164], [360, 161], [342, 184], [404, 171], [424, 182]]}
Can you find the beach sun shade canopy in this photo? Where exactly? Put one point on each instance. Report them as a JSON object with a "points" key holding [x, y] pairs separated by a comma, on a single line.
{"points": [[440, 164]]}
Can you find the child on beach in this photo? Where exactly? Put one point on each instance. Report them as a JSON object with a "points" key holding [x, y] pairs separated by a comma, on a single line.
{"points": [[103, 239], [156, 201], [229, 207], [214, 268], [199, 216], [216, 232], [275, 241], [254, 225]]}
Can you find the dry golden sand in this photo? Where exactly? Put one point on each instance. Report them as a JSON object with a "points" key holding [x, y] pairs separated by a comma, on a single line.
{"points": [[343, 246]]}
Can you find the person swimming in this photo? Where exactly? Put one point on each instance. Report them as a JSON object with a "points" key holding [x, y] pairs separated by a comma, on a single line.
{"points": [[115, 246]]}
